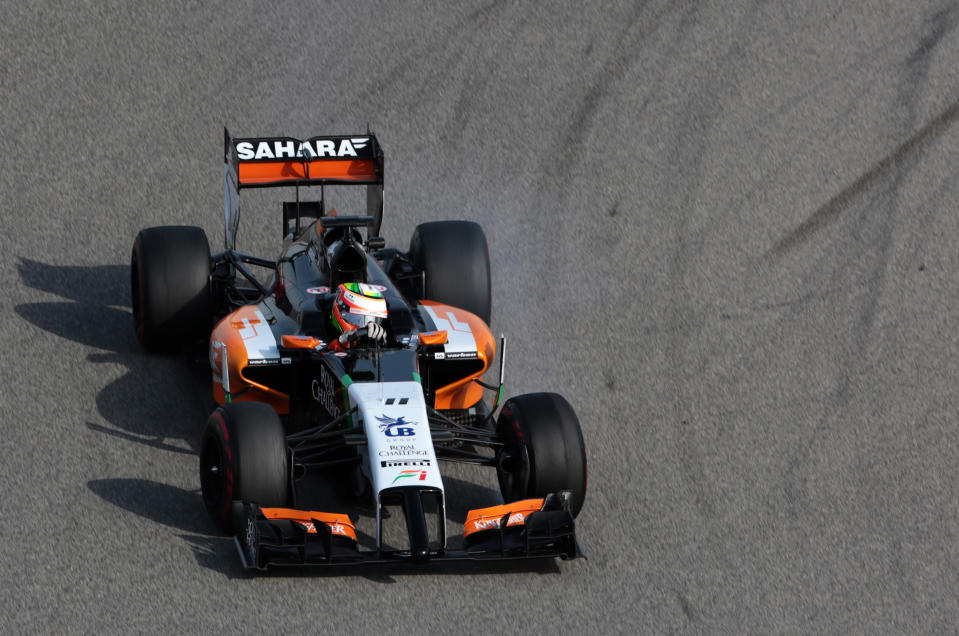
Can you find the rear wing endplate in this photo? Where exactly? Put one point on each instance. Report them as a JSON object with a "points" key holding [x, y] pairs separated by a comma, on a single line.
{"points": [[265, 162]]}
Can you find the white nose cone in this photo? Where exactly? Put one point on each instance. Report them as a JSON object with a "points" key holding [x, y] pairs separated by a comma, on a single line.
{"points": [[400, 448]]}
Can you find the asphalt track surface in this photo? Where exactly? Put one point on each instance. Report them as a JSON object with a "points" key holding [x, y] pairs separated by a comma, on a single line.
{"points": [[726, 233]]}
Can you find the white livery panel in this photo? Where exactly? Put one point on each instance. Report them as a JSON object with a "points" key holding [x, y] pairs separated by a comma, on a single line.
{"points": [[400, 448], [460, 339], [258, 338]]}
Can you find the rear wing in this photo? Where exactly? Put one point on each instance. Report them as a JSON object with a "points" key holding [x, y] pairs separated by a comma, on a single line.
{"points": [[266, 162]]}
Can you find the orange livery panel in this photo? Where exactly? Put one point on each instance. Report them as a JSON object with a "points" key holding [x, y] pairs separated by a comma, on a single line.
{"points": [[273, 172], [243, 339], [489, 518], [339, 524], [467, 338]]}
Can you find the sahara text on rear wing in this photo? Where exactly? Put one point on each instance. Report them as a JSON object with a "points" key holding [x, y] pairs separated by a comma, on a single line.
{"points": [[284, 161]]}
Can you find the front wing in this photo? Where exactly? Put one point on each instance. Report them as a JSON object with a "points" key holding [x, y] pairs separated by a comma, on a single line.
{"points": [[531, 529]]}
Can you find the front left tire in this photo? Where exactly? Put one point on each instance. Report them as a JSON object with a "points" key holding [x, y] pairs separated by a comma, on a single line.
{"points": [[243, 458]]}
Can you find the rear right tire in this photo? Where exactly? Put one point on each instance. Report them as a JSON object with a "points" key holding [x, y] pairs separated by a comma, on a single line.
{"points": [[455, 258]]}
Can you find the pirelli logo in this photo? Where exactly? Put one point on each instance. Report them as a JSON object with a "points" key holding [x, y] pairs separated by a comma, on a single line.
{"points": [[409, 462]]}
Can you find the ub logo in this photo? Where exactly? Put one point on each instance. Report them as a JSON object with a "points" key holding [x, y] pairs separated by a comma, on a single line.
{"points": [[396, 426]]}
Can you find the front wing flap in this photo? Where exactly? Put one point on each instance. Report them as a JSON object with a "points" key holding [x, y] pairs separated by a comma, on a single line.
{"points": [[280, 536], [528, 528]]}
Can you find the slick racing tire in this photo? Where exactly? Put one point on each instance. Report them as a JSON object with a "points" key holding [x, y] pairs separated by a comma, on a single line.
{"points": [[543, 449], [455, 258], [170, 286], [243, 458]]}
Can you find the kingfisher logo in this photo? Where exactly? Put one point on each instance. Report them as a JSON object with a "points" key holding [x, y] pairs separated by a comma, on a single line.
{"points": [[273, 149], [396, 426], [411, 473]]}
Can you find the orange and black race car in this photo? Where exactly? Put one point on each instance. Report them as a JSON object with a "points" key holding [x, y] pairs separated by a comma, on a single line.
{"points": [[358, 359]]}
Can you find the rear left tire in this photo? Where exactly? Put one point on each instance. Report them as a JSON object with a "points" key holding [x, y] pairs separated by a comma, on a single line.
{"points": [[170, 287]]}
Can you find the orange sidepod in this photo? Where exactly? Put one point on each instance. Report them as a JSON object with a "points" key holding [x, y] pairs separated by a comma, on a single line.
{"points": [[489, 518], [465, 392], [229, 340], [339, 524]]}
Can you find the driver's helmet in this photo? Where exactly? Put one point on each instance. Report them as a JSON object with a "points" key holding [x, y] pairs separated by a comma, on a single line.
{"points": [[356, 305]]}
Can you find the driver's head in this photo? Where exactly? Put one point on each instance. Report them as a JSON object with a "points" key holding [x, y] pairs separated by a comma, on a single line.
{"points": [[356, 305]]}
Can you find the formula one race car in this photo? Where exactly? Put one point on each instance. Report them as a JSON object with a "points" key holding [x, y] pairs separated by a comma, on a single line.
{"points": [[356, 358]]}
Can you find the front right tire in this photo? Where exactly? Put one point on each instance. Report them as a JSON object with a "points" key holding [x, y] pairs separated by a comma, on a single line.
{"points": [[543, 450]]}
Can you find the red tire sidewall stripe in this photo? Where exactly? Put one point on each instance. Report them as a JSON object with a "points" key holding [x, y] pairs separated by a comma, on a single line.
{"points": [[228, 491]]}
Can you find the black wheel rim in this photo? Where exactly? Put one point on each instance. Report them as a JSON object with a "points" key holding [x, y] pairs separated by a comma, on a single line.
{"points": [[212, 477]]}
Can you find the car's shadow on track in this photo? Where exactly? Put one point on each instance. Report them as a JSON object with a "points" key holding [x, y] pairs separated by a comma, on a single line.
{"points": [[176, 508], [157, 401]]}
